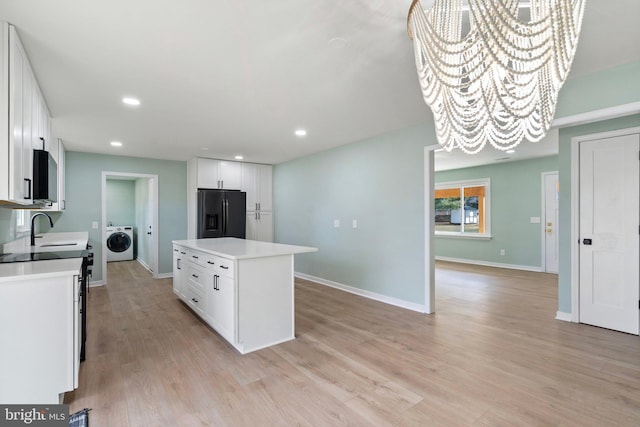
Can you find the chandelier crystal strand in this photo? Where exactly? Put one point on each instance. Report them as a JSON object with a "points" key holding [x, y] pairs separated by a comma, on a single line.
{"points": [[498, 83]]}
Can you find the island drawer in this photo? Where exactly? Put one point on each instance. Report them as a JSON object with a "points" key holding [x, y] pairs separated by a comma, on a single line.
{"points": [[225, 267], [195, 299], [196, 257], [197, 278]]}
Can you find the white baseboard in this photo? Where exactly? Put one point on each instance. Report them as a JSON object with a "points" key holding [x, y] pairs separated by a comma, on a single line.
{"points": [[565, 317], [144, 264], [95, 284], [490, 264], [363, 293], [165, 276]]}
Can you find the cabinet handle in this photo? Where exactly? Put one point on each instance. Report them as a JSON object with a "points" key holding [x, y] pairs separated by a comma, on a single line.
{"points": [[178, 264], [258, 206], [194, 300], [183, 253], [221, 184], [194, 256], [258, 216], [175, 250], [210, 262], [194, 275], [224, 266], [64, 204], [28, 196]]}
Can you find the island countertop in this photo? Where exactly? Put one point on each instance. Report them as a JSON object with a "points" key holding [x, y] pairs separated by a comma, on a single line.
{"points": [[234, 248]]}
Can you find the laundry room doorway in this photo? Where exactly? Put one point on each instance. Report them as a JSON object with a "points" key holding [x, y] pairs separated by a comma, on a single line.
{"points": [[129, 220]]}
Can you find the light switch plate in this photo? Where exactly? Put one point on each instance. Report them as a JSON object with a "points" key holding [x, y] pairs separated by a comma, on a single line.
{"points": [[535, 220], [94, 225], [336, 223], [354, 224]]}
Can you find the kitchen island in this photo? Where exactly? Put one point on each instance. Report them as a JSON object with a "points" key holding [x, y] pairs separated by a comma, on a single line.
{"points": [[242, 288]]}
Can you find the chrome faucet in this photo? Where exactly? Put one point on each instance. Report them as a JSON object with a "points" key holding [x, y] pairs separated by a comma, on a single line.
{"points": [[33, 228]]}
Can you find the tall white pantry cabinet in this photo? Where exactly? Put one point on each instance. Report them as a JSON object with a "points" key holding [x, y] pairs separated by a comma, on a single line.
{"points": [[256, 180], [25, 120]]}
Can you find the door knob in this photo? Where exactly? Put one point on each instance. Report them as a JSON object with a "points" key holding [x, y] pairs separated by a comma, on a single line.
{"points": [[549, 230], [586, 241]]}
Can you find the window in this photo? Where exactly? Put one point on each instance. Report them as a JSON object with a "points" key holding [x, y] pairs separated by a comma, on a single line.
{"points": [[22, 221], [462, 208]]}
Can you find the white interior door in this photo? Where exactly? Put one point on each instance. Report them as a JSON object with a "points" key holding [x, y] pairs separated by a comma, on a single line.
{"points": [[150, 234], [551, 221], [609, 227]]}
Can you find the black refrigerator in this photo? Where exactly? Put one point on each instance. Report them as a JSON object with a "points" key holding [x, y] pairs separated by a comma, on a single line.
{"points": [[221, 213]]}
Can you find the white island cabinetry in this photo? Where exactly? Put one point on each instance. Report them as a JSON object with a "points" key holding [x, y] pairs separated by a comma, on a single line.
{"points": [[244, 288]]}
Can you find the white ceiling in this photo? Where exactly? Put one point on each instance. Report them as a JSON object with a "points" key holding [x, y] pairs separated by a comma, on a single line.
{"points": [[238, 77]]}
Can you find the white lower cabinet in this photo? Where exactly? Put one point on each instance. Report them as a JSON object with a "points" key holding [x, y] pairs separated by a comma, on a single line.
{"points": [[260, 226], [220, 311], [196, 289], [178, 269], [206, 283], [40, 334]]}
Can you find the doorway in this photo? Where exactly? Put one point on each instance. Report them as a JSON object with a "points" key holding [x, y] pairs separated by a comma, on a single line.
{"points": [[143, 216], [606, 217], [550, 220]]}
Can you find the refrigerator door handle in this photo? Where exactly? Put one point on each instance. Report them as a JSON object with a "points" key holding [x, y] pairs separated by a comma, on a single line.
{"points": [[226, 215]]}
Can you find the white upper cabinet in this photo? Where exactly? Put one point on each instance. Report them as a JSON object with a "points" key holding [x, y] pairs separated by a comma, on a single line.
{"points": [[257, 183], [28, 120], [218, 174]]}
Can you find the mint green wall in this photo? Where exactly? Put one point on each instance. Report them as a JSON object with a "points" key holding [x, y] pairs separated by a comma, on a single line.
{"points": [[515, 198], [378, 182], [121, 202], [564, 162], [607, 88], [83, 195]]}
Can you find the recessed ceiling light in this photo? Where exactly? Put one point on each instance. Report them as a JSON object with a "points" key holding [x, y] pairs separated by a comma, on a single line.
{"points": [[116, 144], [301, 132], [131, 101], [239, 157], [511, 151]]}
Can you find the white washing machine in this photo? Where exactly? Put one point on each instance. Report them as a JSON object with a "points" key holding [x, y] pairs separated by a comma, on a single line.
{"points": [[119, 243]]}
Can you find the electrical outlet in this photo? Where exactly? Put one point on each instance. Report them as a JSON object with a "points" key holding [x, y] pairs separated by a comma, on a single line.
{"points": [[354, 224], [503, 252], [94, 225], [336, 223]]}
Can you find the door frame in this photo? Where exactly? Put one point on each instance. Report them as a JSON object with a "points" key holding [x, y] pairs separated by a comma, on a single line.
{"points": [[575, 210], [154, 206], [543, 228]]}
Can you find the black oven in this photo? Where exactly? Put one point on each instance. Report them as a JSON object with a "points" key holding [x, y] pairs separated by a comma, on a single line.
{"points": [[85, 274]]}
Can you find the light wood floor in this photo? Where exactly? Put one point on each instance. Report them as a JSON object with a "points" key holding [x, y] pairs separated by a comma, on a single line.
{"points": [[492, 355]]}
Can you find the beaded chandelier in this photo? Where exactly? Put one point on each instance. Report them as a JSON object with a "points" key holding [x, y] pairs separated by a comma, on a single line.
{"points": [[499, 82]]}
